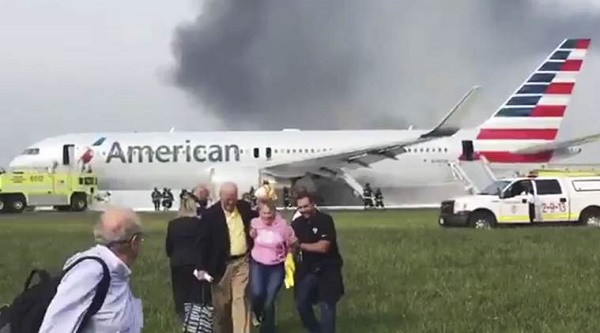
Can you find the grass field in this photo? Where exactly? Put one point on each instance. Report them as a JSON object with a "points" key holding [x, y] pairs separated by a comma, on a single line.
{"points": [[402, 273]]}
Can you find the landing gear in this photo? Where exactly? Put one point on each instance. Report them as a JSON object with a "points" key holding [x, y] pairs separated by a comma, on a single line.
{"points": [[353, 183]]}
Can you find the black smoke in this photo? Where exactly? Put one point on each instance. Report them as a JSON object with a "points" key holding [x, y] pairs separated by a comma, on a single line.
{"points": [[326, 64]]}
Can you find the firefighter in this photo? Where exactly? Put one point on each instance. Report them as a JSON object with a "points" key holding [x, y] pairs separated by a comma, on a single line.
{"points": [[182, 195], [368, 196], [252, 197], [378, 198], [168, 198], [247, 197], [156, 197], [286, 198]]}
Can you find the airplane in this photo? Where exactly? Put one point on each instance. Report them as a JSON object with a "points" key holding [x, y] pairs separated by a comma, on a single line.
{"points": [[520, 133]]}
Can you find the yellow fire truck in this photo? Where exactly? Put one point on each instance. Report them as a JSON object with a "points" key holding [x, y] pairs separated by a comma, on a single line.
{"points": [[64, 191]]}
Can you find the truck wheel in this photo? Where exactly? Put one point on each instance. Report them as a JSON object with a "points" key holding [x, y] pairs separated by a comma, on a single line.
{"points": [[78, 202], [482, 220], [2, 205], [17, 204], [590, 216]]}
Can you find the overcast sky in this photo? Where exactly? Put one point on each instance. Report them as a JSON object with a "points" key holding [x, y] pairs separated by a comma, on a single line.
{"points": [[103, 65]]}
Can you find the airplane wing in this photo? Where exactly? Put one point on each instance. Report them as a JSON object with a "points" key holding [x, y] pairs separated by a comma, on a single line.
{"points": [[555, 145], [452, 122], [369, 154]]}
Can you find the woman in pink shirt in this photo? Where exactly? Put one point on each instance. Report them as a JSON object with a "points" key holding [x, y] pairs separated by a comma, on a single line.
{"points": [[272, 240]]}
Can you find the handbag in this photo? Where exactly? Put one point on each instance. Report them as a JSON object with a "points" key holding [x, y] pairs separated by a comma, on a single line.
{"points": [[198, 317]]}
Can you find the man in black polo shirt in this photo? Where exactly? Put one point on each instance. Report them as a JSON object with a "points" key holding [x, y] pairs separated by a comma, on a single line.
{"points": [[318, 277]]}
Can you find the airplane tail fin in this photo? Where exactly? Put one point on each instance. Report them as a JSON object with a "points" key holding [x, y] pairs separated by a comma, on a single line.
{"points": [[532, 115]]}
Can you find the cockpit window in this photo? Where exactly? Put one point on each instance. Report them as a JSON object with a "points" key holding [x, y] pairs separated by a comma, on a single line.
{"points": [[31, 151]]}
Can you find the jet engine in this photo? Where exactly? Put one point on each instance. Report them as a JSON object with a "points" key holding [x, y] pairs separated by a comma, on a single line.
{"points": [[566, 152]]}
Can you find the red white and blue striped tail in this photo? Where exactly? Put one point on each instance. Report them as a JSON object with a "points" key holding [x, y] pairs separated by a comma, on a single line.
{"points": [[533, 114]]}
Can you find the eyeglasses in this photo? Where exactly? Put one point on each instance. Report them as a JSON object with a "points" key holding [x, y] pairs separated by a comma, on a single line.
{"points": [[139, 235]]}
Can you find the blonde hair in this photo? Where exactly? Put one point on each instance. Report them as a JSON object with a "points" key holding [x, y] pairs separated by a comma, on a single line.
{"points": [[270, 204], [187, 207]]}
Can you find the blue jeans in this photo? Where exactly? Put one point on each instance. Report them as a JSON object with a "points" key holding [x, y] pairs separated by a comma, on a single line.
{"points": [[265, 283], [306, 296]]}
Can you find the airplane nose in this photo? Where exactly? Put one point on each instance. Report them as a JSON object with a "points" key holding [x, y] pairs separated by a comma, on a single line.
{"points": [[24, 162], [16, 162]]}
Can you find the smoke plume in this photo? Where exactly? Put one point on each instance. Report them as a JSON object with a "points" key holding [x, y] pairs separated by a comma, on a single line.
{"points": [[317, 64]]}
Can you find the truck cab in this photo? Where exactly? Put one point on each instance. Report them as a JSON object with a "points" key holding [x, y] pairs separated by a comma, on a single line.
{"points": [[534, 199]]}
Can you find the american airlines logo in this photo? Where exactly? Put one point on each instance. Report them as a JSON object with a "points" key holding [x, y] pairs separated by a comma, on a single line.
{"points": [[174, 153]]}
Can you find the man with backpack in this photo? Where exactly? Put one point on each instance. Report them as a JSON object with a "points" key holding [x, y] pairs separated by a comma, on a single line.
{"points": [[119, 236], [92, 294]]}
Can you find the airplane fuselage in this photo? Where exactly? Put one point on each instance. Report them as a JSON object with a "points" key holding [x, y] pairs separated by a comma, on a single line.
{"points": [[139, 161]]}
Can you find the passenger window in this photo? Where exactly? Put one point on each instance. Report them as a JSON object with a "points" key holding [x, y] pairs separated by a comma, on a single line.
{"points": [[518, 188], [268, 152], [255, 152], [548, 187]]}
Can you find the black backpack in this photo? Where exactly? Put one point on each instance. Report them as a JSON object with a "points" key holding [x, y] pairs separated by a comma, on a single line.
{"points": [[26, 313]]}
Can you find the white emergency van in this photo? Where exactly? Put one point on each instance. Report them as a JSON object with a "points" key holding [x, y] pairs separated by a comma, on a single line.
{"points": [[557, 198]]}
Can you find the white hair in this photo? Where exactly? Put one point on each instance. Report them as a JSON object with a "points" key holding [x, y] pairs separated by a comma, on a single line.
{"points": [[117, 224]]}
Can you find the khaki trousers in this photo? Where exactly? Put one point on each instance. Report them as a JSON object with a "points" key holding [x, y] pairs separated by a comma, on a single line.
{"points": [[230, 301]]}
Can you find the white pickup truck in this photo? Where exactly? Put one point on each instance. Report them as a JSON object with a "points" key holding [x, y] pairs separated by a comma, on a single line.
{"points": [[561, 199]]}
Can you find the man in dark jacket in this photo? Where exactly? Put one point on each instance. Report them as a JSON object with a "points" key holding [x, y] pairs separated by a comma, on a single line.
{"points": [[229, 250], [318, 275]]}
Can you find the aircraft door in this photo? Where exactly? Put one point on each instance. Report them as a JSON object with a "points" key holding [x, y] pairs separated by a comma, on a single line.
{"points": [[68, 154], [467, 150], [514, 207]]}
